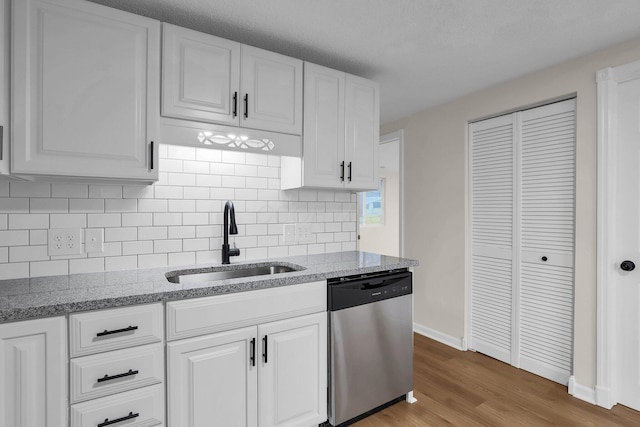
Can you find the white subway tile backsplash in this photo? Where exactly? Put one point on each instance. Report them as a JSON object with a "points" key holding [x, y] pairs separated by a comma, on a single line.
{"points": [[14, 238], [100, 191], [144, 219], [176, 221], [86, 205], [48, 268], [152, 233], [150, 261], [89, 265], [14, 205], [28, 221], [29, 189], [121, 205], [104, 220]]}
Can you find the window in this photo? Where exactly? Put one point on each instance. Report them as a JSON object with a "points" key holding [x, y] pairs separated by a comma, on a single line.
{"points": [[371, 206]]}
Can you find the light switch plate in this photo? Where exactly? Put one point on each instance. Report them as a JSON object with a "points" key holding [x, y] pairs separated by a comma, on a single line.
{"points": [[65, 241], [94, 240], [289, 233]]}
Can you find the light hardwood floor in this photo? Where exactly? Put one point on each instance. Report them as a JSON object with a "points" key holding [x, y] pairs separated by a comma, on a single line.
{"points": [[463, 388]]}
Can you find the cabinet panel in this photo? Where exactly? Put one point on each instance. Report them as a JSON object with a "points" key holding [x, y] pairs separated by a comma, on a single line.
{"points": [[323, 142], [33, 374], [200, 76], [293, 377], [362, 133], [271, 87], [86, 90], [105, 330], [211, 380], [142, 407]]}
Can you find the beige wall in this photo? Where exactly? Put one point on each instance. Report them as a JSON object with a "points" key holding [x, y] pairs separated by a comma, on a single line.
{"points": [[437, 193]]}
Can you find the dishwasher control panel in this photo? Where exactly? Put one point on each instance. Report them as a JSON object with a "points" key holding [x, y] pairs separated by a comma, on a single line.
{"points": [[357, 290]]}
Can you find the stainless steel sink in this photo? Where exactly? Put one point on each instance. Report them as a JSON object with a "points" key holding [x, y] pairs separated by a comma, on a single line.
{"points": [[229, 272]]}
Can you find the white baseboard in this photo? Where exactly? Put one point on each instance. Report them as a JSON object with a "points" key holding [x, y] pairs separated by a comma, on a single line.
{"points": [[451, 341], [581, 392]]}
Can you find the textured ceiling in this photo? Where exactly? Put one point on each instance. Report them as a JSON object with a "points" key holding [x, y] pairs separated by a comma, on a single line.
{"points": [[422, 52]]}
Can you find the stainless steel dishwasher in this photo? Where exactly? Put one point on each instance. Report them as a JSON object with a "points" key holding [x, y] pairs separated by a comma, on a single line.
{"points": [[370, 343]]}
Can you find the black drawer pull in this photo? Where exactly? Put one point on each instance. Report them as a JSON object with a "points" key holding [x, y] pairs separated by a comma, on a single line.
{"points": [[264, 349], [253, 352], [116, 331], [113, 377], [108, 423]]}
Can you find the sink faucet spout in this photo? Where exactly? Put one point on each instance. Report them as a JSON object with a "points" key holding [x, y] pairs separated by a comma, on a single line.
{"points": [[229, 215]]}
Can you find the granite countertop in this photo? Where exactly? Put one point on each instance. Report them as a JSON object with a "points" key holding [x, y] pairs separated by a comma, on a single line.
{"points": [[22, 299]]}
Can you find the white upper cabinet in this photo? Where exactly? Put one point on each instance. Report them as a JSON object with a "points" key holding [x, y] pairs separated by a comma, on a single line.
{"points": [[5, 53], [340, 135], [209, 79], [200, 76], [86, 82]]}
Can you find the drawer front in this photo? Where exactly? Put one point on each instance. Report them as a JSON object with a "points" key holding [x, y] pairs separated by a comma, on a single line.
{"points": [[103, 374], [143, 407], [106, 330], [202, 316]]}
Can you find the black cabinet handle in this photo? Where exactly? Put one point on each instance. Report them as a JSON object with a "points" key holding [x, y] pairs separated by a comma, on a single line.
{"points": [[264, 349], [544, 259], [127, 417], [113, 377], [116, 331], [235, 104], [252, 356], [342, 172], [627, 265], [349, 171], [246, 105], [151, 160]]}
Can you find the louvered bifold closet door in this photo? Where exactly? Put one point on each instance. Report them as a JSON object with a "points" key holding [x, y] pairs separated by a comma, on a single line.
{"points": [[547, 212], [492, 223]]}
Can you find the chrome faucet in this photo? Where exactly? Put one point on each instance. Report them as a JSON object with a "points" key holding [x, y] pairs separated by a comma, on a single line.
{"points": [[227, 252]]}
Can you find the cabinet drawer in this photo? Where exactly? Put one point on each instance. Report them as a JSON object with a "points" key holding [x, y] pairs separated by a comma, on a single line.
{"points": [[106, 330], [201, 316], [136, 408], [103, 374]]}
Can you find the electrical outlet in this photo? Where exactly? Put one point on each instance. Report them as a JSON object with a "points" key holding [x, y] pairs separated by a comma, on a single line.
{"points": [[65, 241], [94, 240], [303, 232], [289, 233]]}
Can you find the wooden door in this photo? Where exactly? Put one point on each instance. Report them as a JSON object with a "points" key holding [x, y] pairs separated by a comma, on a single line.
{"points": [[200, 76], [86, 90], [362, 133], [211, 380], [271, 87], [323, 142], [33, 373], [293, 371]]}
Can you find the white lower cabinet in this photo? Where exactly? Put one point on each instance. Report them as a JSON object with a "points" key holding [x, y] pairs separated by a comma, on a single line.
{"points": [[273, 374], [33, 373]]}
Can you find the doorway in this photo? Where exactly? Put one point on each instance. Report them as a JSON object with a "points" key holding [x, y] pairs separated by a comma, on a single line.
{"points": [[380, 211]]}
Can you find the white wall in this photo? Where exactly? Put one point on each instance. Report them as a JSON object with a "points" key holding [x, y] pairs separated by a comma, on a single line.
{"points": [[436, 195], [176, 221]]}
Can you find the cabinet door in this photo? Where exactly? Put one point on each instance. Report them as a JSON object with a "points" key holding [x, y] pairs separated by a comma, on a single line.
{"points": [[200, 76], [86, 90], [271, 86], [293, 371], [212, 380], [5, 50], [362, 129], [323, 140], [33, 374]]}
